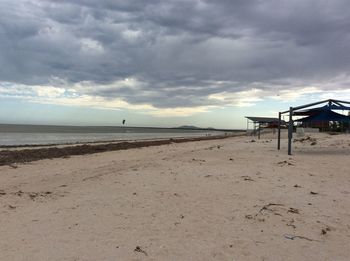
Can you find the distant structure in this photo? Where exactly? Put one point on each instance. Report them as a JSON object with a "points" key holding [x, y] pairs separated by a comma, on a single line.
{"points": [[260, 123], [314, 115], [123, 122]]}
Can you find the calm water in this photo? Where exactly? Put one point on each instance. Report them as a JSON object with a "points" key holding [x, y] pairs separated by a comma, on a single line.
{"points": [[41, 134]]}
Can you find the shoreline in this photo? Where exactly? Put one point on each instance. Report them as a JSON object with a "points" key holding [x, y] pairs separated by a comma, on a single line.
{"points": [[33, 153], [104, 141]]}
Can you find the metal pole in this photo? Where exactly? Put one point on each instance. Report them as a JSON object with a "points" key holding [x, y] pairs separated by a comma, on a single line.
{"points": [[279, 132], [254, 128], [290, 131]]}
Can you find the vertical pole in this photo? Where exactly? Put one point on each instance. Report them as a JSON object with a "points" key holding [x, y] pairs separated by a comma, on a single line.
{"points": [[290, 131], [279, 132], [259, 131]]}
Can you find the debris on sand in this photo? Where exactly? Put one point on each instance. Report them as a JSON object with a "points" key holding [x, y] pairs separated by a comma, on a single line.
{"points": [[293, 210], [275, 209], [32, 195], [247, 178], [285, 163], [19, 193], [267, 207], [271, 207], [9, 157], [140, 250], [291, 224], [325, 230], [312, 141], [199, 160], [313, 193], [292, 237]]}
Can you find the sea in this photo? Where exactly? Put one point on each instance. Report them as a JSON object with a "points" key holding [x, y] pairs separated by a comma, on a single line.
{"points": [[23, 135]]}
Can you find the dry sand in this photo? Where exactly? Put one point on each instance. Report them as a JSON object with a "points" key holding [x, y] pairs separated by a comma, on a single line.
{"points": [[228, 199]]}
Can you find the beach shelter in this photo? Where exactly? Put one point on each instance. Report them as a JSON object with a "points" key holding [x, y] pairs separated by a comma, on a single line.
{"points": [[319, 114], [261, 122]]}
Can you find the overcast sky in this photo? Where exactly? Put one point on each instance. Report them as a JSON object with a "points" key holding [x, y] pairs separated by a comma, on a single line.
{"points": [[169, 62]]}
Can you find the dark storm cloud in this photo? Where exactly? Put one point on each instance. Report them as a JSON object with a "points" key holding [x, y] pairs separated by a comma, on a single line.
{"points": [[181, 51]]}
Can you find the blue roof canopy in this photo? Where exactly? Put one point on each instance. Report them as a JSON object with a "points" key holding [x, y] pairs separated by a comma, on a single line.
{"points": [[325, 115], [313, 111], [337, 107]]}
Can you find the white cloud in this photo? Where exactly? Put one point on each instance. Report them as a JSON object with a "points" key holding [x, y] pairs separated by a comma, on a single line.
{"points": [[337, 95], [240, 99], [49, 91], [88, 86], [131, 35], [117, 104], [71, 97], [91, 46], [295, 93], [178, 112]]}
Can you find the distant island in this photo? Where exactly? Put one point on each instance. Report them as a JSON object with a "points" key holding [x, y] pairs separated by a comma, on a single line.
{"points": [[188, 127], [194, 127]]}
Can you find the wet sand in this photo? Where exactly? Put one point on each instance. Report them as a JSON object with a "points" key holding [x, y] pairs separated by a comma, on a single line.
{"points": [[226, 199]]}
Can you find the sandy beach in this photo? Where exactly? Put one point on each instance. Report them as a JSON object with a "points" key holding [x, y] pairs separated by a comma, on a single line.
{"points": [[228, 199]]}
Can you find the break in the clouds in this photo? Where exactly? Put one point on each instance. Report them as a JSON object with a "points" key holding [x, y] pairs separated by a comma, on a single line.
{"points": [[173, 56]]}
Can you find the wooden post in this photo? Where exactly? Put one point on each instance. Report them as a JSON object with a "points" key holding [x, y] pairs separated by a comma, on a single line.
{"points": [[279, 132], [290, 131], [259, 131]]}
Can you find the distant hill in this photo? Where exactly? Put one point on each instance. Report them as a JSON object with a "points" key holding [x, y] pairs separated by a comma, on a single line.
{"points": [[194, 127], [188, 127]]}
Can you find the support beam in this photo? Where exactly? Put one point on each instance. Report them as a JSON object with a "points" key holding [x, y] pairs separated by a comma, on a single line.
{"points": [[317, 103], [306, 106], [279, 132], [339, 101], [290, 131]]}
